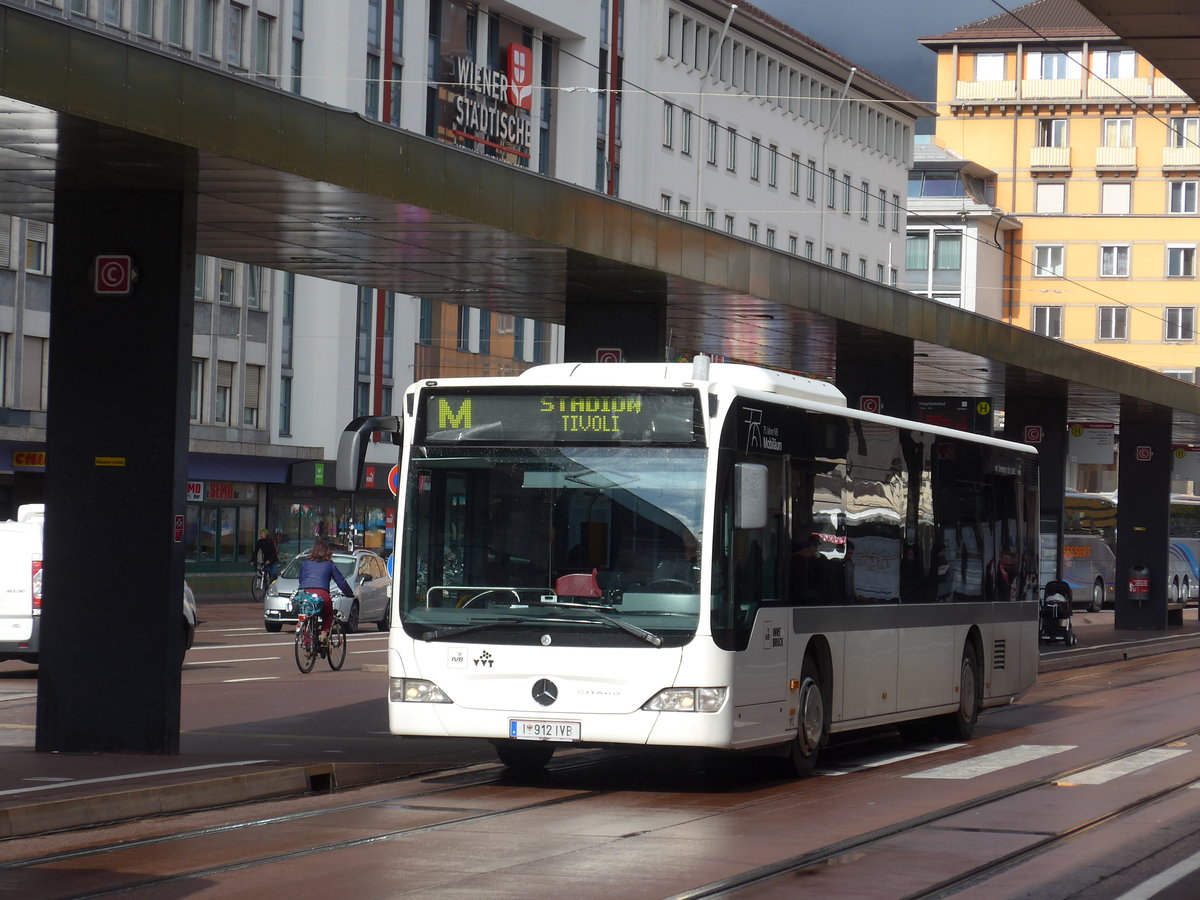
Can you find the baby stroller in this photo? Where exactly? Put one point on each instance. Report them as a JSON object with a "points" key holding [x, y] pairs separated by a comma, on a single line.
{"points": [[1054, 620]]}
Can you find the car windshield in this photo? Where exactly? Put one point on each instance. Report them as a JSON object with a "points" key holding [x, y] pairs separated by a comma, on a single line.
{"points": [[512, 541], [344, 562]]}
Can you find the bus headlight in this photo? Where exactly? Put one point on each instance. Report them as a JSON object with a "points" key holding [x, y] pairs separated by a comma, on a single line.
{"points": [[708, 699], [415, 690]]}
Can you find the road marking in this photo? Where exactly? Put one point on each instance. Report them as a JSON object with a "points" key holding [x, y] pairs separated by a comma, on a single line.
{"points": [[50, 787], [992, 762], [263, 678], [1163, 880], [873, 762], [217, 662], [1107, 772]]}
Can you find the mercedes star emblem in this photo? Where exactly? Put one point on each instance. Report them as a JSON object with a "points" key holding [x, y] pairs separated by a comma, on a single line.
{"points": [[545, 691]]}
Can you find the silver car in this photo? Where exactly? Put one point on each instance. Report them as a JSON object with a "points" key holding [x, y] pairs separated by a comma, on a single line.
{"points": [[367, 574]]}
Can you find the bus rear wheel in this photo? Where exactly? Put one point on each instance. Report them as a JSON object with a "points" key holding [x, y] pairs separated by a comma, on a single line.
{"points": [[1097, 596], [527, 757], [813, 725], [960, 724]]}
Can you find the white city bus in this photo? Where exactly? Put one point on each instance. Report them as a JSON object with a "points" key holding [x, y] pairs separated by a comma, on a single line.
{"points": [[697, 555]]}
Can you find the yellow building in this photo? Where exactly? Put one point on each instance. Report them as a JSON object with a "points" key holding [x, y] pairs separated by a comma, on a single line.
{"points": [[1098, 155]]}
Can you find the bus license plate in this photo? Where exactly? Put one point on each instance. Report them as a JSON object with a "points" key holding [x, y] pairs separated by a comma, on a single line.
{"points": [[541, 730]]}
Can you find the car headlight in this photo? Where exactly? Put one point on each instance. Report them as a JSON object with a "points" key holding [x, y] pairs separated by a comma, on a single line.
{"points": [[273, 590], [415, 690], [706, 699]]}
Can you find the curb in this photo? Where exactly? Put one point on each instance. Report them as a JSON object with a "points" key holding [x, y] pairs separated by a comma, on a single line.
{"points": [[1074, 659], [193, 796]]}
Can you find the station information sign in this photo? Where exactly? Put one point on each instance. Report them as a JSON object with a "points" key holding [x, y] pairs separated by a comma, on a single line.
{"points": [[557, 416]]}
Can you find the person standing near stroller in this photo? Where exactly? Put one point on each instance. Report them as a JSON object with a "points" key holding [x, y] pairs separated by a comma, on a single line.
{"points": [[317, 571]]}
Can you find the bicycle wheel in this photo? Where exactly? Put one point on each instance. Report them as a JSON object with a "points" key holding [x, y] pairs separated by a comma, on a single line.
{"points": [[258, 586], [306, 646], [336, 654]]}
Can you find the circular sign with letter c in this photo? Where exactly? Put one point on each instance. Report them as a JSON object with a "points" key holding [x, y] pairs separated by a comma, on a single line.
{"points": [[394, 481]]}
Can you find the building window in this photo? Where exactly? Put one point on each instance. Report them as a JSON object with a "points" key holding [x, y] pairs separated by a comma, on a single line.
{"points": [[224, 392], [263, 28], [1182, 197], [1052, 66], [519, 339], [829, 256], [879, 272], [710, 218], [1184, 132], [754, 232], [865, 212], [225, 285], [285, 406], [793, 244], [235, 30], [175, 22], [1050, 198], [254, 287], [862, 267], [200, 290], [755, 158], [668, 133], [685, 209], [1113, 323], [685, 137], [1114, 260], [1048, 260], [712, 142], [770, 237], [731, 151], [253, 400], [916, 253], [196, 401], [845, 262], [846, 193], [664, 203], [288, 320], [206, 28], [1115, 198], [831, 189], [1047, 320], [810, 249], [37, 243], [773, 166], [1118, 132], [144, 17], [1181, 262], [425, 323], [112, 12], [1052, 132], [1188, 375], [729, 224], [989, 66], [896, 212], [882, 208], [485, 332], [1180, 323], [371, 87], [811, 192]]}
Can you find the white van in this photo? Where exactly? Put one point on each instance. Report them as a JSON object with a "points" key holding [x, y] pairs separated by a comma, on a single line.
{"points": [[21, 583]]}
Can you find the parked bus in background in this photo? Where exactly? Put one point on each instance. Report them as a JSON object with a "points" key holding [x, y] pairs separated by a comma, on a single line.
{"points": [[697, 555], [1090, 520]]}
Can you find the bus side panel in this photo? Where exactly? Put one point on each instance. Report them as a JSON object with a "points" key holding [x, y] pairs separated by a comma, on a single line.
{"points": [[1011, 651], [760, 681], [929, 659], [868, 672]]}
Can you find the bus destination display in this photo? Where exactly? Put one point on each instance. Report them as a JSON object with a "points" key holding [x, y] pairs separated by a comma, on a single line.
{"points": [[557, 416]]}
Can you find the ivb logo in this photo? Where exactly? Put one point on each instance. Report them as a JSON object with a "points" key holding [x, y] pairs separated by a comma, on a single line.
{"points": [[520, 76]]}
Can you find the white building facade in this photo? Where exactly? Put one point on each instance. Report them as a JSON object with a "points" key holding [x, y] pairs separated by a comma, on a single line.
{"points": [[732, 120]]}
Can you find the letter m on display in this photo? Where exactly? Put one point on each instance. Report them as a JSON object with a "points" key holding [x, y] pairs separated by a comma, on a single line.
{"points": [[447, 418], [520, 76]]}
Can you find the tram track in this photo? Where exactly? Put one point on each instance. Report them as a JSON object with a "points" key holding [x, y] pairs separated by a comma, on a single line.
{"points": [[975, 876]]}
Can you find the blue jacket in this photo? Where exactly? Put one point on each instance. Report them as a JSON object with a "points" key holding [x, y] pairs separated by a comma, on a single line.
{"points": [[316, 575]]}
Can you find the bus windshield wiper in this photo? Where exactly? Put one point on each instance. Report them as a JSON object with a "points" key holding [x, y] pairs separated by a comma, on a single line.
{"points": [[600, 613]]}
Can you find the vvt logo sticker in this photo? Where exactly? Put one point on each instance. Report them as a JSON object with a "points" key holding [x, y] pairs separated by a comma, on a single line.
{"points": [[520, 76], [484, 659]]}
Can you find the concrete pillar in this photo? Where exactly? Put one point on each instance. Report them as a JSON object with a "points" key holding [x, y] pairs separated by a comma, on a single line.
{"points": [[112, 625], [1036, 413], [614, 307], [1143, 511], [875, 369]]}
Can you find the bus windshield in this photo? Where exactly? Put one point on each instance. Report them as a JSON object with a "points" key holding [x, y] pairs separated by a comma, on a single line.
{"points": [[521, 543]]}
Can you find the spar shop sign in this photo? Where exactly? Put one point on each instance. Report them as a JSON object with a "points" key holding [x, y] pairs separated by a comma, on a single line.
{"points": [[488, 109]]}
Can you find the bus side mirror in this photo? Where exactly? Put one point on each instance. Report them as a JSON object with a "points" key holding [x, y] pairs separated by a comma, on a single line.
{"points": [[749, 496], [352, 447]]}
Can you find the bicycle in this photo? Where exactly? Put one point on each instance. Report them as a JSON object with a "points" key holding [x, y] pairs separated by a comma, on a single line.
{"points": [[259, 582], [308, 635]]}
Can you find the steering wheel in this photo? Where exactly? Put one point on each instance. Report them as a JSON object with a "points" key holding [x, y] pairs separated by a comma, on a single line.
{"points": [[671, 585], [470, 601]]}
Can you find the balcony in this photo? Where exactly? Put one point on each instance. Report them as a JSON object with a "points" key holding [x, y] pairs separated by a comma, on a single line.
{"points": [[1165, 87], [1044, 158], [986, 90], [1181, 158], [1117, 88], [1052, 89], [1116, 158]]}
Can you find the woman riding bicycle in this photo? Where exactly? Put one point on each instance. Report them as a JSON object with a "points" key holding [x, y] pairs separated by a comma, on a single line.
{"points": [[316, 572]]}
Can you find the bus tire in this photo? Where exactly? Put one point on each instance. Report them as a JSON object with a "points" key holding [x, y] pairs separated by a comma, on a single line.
{"points": [[960, 724], [526, 757], [813, 722], [1097, 596]]}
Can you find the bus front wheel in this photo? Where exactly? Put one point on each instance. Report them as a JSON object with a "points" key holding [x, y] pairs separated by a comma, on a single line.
{"points": [[1097, 596], [813, 725], [958, 725]]}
